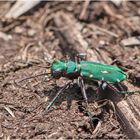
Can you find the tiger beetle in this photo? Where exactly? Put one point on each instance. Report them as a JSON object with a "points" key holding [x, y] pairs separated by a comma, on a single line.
{"points": [[80, 69]]}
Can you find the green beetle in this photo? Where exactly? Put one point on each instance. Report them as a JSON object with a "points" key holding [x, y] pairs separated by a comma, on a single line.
{"points": [[87, 69], [108, 74]]}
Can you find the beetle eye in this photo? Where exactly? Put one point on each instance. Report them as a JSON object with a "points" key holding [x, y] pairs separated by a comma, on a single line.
{"points": [[57, 73]]}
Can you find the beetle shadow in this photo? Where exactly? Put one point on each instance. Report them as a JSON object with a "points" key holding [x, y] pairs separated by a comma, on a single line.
{"points": [[71, 94]]}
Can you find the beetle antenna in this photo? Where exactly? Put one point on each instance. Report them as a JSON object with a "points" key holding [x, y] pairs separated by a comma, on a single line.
{"points": [[17, 83]]}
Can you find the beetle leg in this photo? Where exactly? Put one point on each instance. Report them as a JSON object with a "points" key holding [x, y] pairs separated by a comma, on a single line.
{"points": [[121, 92], [82, 86], [79, 57], [57, 95], [77, 60], [105, 102], [102, 86], [82, 56], [122, 89], [66, 58]]}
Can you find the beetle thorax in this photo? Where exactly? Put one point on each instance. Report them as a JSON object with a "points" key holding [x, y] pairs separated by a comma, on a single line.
{"points": [[62, 68]]}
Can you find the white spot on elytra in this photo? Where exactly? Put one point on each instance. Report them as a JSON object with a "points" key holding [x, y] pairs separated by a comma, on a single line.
{"points": [[90, 75], [58, 69], [118, 80], [104, 71]]}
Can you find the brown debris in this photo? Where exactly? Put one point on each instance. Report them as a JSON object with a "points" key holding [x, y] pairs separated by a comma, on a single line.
{"points": [[56, 29], [82, 15], [73, 35]]}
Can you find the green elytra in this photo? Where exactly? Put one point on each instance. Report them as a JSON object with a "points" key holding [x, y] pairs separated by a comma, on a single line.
{"points": [[92, 70]]}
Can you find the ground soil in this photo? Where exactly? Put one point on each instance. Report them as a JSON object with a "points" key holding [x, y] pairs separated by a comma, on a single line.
{"points": [[30, 39]]}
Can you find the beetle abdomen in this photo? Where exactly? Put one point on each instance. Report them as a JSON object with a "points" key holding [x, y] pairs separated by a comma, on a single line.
{"points": [[98, 71]]}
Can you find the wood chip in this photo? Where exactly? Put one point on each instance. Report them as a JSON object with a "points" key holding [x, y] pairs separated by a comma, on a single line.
{"points": [[86, 3], [117, 2], [5, 37], [132, 41], [21, 7], [133, 125]]}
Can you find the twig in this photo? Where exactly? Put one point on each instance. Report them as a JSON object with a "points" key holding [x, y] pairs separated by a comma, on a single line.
{"points": [[131, 41], [9, 111], [1, 132], [95, 27], [24, 56], [73, 35], [86, 3], [20, 7]]}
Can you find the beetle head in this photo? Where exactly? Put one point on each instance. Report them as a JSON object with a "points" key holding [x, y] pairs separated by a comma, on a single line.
{"points": [[58, 68]]}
